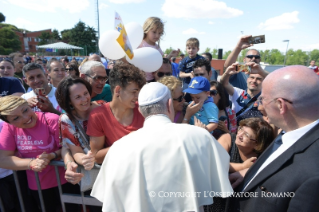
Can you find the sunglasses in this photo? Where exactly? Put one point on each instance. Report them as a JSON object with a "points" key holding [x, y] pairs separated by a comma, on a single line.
{"points": [[213, 92], [69, 69], [161, 74], [179, 99], [253, 56], [197, 75], [98, 78], [6, 59]]}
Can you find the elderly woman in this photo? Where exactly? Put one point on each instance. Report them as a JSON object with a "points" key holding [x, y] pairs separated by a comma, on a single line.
{"points": [[72, 69], [29, 141], [175, 86], [117, 118]]}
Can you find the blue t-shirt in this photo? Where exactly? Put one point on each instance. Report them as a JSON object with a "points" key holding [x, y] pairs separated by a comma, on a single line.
{"points": [[10, 85], [186, 65], [207, 114], [106, 94], [175, 70]]}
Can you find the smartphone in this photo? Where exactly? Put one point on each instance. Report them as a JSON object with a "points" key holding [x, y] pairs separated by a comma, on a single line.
{"points": [[39, 91], [243, 68], [257, 39], [222, 118]]}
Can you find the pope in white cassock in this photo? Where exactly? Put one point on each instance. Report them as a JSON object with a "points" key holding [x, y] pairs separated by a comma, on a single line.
{"points": [[163, 166]]}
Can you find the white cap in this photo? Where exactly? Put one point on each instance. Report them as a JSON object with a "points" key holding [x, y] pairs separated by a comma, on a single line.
{"points": [[151, 93]]}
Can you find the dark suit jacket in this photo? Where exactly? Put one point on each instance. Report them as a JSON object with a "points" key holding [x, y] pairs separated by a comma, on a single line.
{"points": [[296, 170]]}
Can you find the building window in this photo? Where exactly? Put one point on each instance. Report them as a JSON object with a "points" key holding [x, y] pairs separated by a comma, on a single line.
{"points": [[29, 39]]}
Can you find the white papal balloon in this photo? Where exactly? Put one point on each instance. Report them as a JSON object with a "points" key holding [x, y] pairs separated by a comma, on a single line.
{"points": [[135, 33], [147, 59], [109, 47]]}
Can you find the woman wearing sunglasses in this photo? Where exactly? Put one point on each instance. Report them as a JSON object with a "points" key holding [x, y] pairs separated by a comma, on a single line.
{"points": [[175, 86], [72, 69]]}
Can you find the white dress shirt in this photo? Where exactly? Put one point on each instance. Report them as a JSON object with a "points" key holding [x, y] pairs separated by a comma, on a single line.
{"points": [[288, 139]]}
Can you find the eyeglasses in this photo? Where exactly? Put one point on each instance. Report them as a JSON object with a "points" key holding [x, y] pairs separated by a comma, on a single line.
{"points": [[213, 92], [253, 56], [98, 78], [201, 74], [245, 134], [69, 69], [260, 100], [161, 74], [179, 99]]}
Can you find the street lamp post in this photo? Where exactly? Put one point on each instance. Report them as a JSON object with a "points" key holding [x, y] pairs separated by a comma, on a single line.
{"points": [[286, 51]]}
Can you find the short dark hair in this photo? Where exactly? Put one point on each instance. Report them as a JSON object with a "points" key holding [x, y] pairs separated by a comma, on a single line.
{"points": [[202, 62], [8, 60], [62, 93], [122, 74], [264, 132], [254, 50], [173, 59], [209, 55], [75, 66], [32, 66], [165, 61], [66, 59], [222, 103], [53, 59]]}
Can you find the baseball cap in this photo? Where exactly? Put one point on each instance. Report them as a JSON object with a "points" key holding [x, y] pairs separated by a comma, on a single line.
{"points": [[198, 85], [151, 93]]}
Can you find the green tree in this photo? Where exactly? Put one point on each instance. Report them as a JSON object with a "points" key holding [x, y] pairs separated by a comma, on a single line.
{"points": [[66, 35], [275, 57], [2, 18], [45, 37], [314, 55], [82, 35], [207, 50], [214, 53], [297, 57], [226, 54], [167, 51], [56, 35], [242, 55], [9, 41]]}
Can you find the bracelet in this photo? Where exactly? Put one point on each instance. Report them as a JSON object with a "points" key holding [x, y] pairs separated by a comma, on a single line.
{"points": [[29, 164], [55, 155], [66, 165]]}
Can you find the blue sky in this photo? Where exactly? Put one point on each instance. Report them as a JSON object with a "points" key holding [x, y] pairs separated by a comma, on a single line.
{"points": [[214, 23]]}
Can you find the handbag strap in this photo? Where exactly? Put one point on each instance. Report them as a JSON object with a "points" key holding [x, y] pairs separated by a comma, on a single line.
{"points": [[83, 135], [246, 106]]}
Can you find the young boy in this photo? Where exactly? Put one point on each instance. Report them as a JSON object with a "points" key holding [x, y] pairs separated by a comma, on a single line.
{"points": [[199, 89], [186, 65]]}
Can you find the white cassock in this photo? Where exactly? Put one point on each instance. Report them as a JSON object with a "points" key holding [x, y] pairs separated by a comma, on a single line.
{"points": [[163, 167]]}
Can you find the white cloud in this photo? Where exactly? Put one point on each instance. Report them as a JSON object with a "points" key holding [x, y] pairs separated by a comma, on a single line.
{"points": [[73, 6], [3, 1], [103, 6], [126, 1], [313, 46], [284, 21], [199, 9], [192, 31], [210, 22]]}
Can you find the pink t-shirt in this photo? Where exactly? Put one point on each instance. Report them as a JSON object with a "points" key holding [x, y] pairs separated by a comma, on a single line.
{"points": [[32, 142], [149, 76]]}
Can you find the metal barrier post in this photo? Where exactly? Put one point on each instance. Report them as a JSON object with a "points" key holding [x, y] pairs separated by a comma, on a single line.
{"points": [[59, 186], [16, 180], [83, 204], [40, 191]]}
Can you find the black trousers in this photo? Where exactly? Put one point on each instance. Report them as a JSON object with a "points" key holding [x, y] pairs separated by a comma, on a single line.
{"points": [[8, 194]]}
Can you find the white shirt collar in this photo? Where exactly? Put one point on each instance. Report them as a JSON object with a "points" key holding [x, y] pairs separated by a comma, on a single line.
{"points": [[293, 136]]}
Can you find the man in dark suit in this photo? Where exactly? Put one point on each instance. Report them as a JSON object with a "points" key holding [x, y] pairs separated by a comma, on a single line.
{"points": [[286, 176]]}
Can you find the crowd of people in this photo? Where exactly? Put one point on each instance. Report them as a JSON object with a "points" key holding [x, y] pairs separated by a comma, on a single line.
{"points": [[181, 129]]}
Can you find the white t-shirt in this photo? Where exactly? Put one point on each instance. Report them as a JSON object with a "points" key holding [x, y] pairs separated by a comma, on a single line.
{"points": [[51, 97], [4, 172]]}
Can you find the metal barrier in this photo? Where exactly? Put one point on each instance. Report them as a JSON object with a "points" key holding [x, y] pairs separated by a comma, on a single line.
{"points": [[80, 199]]}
